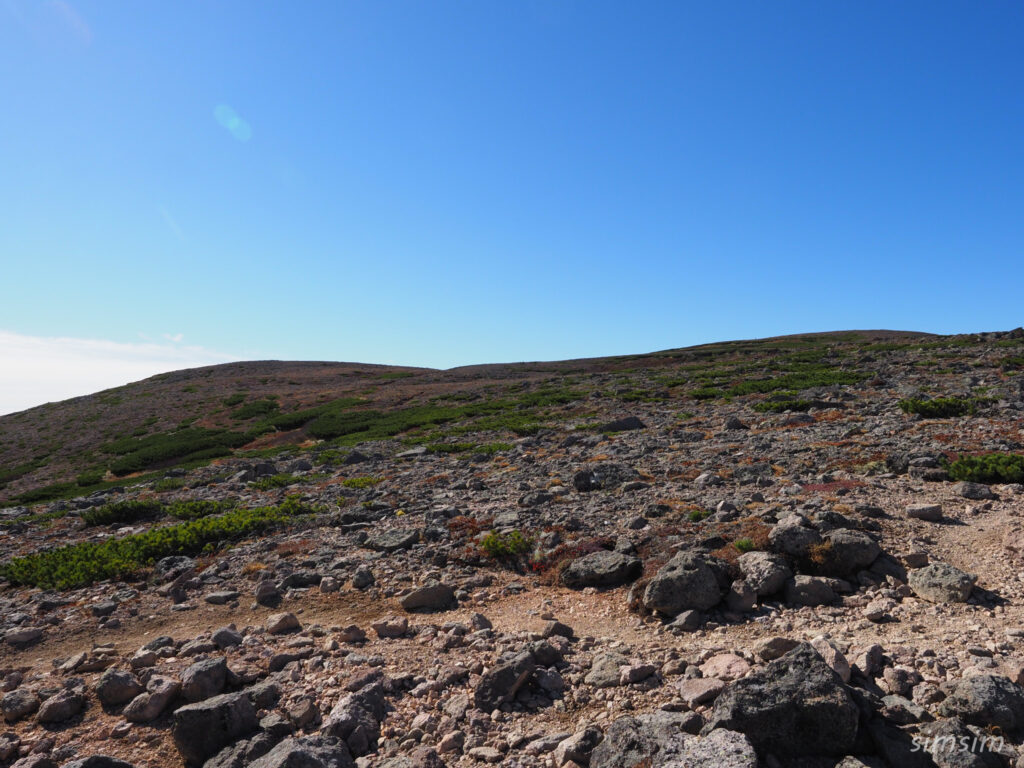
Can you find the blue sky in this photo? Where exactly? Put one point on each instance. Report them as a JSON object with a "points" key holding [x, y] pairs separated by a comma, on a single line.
{"points": [[447, 183]]}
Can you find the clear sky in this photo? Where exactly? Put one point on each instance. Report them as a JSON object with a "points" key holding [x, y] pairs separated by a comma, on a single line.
{"points": [[442, 183]]}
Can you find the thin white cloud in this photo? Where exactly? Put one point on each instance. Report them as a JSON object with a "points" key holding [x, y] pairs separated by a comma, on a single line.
{"points": [[171, 222], [72, 19], [37, 369]]}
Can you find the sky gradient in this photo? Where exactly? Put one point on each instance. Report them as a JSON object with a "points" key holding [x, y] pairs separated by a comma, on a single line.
{"points": [[449, 183]]}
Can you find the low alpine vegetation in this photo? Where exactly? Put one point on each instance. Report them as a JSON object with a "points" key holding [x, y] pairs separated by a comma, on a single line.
{"points": [[943, 407], [78, 565], [990, 468]]}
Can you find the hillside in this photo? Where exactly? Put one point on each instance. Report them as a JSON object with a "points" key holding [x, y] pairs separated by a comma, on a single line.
{"points": [[802, 551], [69, 448]]}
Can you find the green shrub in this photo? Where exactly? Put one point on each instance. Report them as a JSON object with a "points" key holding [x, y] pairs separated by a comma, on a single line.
{"points": [[506, 546], [275, 481], [780, 406], [942, 407], [194, 510], [89, 478], [78, 565], [744, 545], [361, 482], [450, 447], [255, 408], [183, 445], [168, 484], [120, 512], [236, 399], [990, 468], [697, 515]]}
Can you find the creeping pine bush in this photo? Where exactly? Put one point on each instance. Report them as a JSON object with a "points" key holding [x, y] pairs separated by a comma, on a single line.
{"points": [[361, 482], [990, 468], [942, 407], [505, 546], [120, 512], [78, 565], [194, 510]]}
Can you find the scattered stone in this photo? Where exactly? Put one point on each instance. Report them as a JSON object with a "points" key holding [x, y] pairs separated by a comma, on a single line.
{"points": [[601, 569], [929, 512], [941, 583]]}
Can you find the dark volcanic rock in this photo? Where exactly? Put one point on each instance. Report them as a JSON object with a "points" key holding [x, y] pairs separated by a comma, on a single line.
{"points": [[202, 730], [602, 569], [796, 705], [603, 477], [986, 700], [687, 581]]}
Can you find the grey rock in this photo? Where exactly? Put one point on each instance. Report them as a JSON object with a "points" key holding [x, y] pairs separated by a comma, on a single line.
{"points": [[766, 573], [579, 746], [204, 679], [19, 703], [929, 512], [809, 590], [392, 541], [601, 569], [946, 738], [432, 597], [280, 623], [795, 705], [116, 687], [307, 752], [98, 761], [986, 700], [687, 581], [501, 683], [203, 729], [622, 425], [851, 551], [151, 704], [603, 477], [356, 719], [227, 637], [941, 583], [631, 740], [720, 748], [974, 491], [604, 670], [793, 537], [61, 706]]}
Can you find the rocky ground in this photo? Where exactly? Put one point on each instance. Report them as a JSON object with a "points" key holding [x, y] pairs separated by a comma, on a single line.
{"points": [[650, 581]]}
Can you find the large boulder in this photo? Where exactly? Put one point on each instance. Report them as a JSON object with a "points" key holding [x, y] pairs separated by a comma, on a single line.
{"points": [[602, 569], [941, 583], [687, 581], [810, 591], [630, 741], [764, 572], [986, 700], [151, 704], [430, 597], [793, 536], [61, 706], [797, 705], [501, 683], [721, 749], [204, 679], [307, 752], [116, 687], [356, 719], [203, 729], [850, 551], [603, 477], [943, 740]]}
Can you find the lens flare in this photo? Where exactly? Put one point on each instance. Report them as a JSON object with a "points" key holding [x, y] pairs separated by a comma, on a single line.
{"points": [[232, 122]]}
